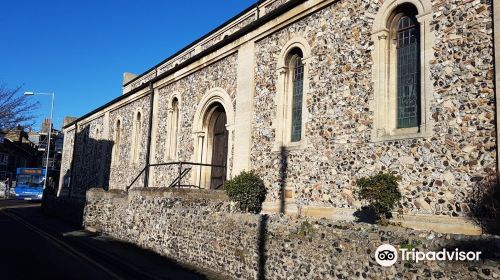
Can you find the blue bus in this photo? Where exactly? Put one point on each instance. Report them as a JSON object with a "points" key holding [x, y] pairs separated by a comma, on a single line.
{"points": [[29, 183]]}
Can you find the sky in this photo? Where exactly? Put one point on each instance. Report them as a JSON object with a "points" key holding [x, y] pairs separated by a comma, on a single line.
{"points": [[79, 49]]}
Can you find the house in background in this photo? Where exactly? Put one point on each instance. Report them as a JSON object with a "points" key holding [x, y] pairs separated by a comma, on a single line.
{"points": [[16, 150], [4, 158], [40, 139], [28, 148]]}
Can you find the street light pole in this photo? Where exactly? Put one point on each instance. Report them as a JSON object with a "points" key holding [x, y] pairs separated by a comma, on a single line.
{"points": [[48, 143], [49, 132]]}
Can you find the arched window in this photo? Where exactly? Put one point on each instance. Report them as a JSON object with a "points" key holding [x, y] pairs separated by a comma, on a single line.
{"points": [[173, 128], [401, 70], [116, 146], [292, 88], [136, 138], [296, 77], [406, 33]]}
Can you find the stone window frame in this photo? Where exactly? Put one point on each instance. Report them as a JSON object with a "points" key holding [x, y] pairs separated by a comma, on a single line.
{"points": [[117, 134], [284, 91], [201, 176], [136, 136], [384, 103], [171, 152]]}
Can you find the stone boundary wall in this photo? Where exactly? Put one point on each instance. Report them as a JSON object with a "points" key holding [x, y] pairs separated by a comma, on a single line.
{"points": [[201, 228]]}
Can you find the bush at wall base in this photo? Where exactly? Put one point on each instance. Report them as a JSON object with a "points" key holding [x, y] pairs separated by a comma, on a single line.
{"points": [[248, 190], [381, 191]]}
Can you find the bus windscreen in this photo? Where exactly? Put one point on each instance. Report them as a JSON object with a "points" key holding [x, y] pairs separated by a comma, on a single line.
{"points": [[30, 180]]}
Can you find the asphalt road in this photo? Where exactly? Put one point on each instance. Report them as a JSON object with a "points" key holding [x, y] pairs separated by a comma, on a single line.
{"points": [[33, 246]]}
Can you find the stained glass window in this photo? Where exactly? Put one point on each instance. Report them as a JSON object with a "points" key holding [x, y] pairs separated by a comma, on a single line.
{"points": [[137, 138], [408, 73], [116, 146], [298, 87]]}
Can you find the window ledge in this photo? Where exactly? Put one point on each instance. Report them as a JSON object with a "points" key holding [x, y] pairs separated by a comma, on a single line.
{"points": [[294, 146], [291, 146], [401, 134]]}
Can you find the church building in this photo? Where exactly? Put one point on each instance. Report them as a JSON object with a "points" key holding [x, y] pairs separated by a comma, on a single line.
{"points": [[312, 95]]}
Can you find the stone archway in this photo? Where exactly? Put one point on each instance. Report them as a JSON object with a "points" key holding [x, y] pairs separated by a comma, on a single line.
{"points": [[213, 125]]}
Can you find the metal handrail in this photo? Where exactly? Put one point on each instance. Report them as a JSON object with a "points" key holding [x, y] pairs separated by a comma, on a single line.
{"points": [[187, 163], [181, 175], [140, 173], [177, 180]]}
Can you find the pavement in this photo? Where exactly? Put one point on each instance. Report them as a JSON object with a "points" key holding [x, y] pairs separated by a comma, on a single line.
{"points": [[34, 246]]}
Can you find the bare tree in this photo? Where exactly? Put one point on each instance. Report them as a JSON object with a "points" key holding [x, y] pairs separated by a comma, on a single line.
{"points": [[15, 108]]}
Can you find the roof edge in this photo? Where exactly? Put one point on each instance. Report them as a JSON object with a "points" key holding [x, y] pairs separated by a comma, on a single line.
{"points": [[231, 38], [227, 22]]}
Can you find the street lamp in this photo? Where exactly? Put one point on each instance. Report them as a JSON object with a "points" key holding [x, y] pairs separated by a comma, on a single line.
{"points": [[30, 93]]}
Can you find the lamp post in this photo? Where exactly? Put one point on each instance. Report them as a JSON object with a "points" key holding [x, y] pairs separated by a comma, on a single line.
{"points": [[30, 93]]}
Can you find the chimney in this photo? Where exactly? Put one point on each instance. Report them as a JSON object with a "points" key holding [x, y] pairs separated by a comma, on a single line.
{"points": [[67, 120], [127, 77], [46, 125]]}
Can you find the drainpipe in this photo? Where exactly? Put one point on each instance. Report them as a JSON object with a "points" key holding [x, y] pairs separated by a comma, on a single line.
{"points": [[150, 129], [496, 65], [72, 161]]}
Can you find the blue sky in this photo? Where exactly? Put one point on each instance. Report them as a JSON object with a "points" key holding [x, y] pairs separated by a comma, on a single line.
{"points": [[79, 49]]}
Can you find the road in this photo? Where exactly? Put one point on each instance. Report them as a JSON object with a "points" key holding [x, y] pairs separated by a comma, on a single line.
{"points": [[33, 246]]}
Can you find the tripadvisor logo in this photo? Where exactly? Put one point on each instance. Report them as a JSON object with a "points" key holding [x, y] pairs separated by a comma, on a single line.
{"points": [[387, 255]]}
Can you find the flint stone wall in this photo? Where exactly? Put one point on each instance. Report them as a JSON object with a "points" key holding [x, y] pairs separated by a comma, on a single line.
{"points": [[124, 170], [90, 157], [67, 157], [201, 228], [94, 147], [439, 172], [189, 90]]}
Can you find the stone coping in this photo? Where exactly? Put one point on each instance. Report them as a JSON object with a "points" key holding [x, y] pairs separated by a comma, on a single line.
{"points": [[441, 224], [159, 192], [94, 193]]}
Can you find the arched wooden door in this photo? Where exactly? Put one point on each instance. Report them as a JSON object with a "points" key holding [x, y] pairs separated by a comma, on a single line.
{"points": [[219, 147]]}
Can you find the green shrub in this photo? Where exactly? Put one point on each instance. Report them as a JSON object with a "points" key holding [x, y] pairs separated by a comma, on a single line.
{"points": [[485, 204], [381, 191], [248, 190]]}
